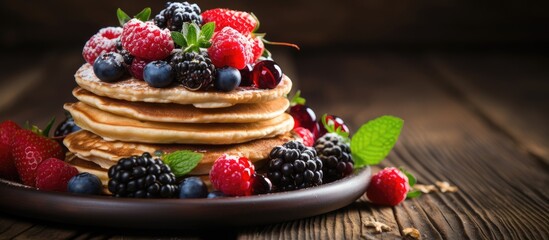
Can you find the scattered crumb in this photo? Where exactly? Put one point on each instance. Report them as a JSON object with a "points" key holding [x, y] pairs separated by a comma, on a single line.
{"points": [[446, 187], [379, 227], [425, 188], [411, 233]]}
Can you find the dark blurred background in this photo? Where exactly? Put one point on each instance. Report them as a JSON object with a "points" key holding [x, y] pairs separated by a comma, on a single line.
{"points": [[41, 41]]}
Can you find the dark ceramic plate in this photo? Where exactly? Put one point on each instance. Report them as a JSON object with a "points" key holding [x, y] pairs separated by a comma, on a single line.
{"points": [[105, 211]]}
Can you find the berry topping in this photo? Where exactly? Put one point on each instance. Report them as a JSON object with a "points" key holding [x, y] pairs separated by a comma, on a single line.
{"points": [[108, 67], [176, 13], [246, 75], [261, 184], [304, 117], [335, 153], [230, 48], [137, 66], [266, 74], [331, 123], [146, 40], [227, 79], [294, 166], [29, 150], [216, 194], [85, 183], [193, 187], [232, 175], [388, 187], [158, 74], [54, 174], [141, 177], [257, 47], [7, 162], [128, 58], [242, 22], [66, 127], [193, 70], [102, 42], [306, 136]]}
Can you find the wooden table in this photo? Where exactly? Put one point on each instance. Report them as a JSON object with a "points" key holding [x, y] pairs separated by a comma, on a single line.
{"points": [[478, 120]]}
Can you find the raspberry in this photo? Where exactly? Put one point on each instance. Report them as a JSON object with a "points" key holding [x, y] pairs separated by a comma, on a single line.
{"points": [[257, 47], [54, 174], [232, 175], [102, 42], [146, 40], [136, 69], [242, 22], [388, 187], [230, 48], [306, 136]]}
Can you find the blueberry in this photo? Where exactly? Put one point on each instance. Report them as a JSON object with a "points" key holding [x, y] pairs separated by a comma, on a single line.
{"points": [[193, 187], [227, 79], [216, 194], [85, 183], [158, 74], [108, 67]]}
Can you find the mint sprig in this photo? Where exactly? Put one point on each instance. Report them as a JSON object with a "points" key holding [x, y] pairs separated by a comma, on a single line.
{"points": [[411, 181], [192, 37], [182, 162], [374, 140], [123, 17]]}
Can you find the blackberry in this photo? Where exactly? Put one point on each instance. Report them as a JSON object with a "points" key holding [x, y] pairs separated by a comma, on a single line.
{"points": [[66, 127], [294, 166], [335, 154], [176, 13], [142, 177], [128, 58], [193, 70]]}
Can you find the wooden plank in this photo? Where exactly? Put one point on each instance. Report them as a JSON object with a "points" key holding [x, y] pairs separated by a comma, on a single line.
{"points": [[502, 188], [510, 90], [10, 227]]}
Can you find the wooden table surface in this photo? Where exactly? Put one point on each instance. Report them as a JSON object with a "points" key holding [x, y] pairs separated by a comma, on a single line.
{"points": [[478, 120]]}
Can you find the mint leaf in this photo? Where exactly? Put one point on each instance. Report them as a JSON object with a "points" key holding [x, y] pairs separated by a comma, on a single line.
{"points": [[144, 14], [192, 34], [123, 18], [179, 39], [182, 162], [374, 140], [297, 99], [413, 194], [207, 31], [411, 178]]}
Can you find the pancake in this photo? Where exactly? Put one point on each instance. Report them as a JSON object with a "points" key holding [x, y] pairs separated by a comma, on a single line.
{"points": [[89, 167], [116, 127], [91, 147], [135, 90], [177, 113]]}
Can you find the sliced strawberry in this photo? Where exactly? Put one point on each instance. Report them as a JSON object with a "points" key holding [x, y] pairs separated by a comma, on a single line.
{"points": [[29, 150], [54, 174]]}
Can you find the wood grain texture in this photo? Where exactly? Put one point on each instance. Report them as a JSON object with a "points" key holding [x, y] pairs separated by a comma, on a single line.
{"points": [[456, 129]]}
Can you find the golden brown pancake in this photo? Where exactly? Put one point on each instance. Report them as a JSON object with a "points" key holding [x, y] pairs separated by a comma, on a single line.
{"points": [[135, 90], [178, 113], [91, 147], [116, 127]]}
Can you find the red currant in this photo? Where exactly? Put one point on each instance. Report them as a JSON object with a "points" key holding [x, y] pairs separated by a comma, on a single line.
{"points": [[332, 120], [266, 74], [305, 117]]}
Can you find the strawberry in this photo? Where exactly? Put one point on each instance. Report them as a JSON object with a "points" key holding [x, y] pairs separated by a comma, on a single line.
{"points": [[102, 42], [388, 187], [7, 164], [54, 174], [242, 22], [146, 40], [230, 48], [306, 136], [29, 150]]}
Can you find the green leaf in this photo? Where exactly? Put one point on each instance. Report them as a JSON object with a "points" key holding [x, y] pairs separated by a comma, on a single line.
{"points": [[413, 194], [46, 131], [297, 99], [374, 140], [182, 162], [411, 178], [179, 39], [144, 14], [192, 34], [207, 31], [123, 18]]}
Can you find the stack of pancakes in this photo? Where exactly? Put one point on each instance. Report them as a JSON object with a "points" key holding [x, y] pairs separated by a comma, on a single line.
{"points": [[129, 117]]}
